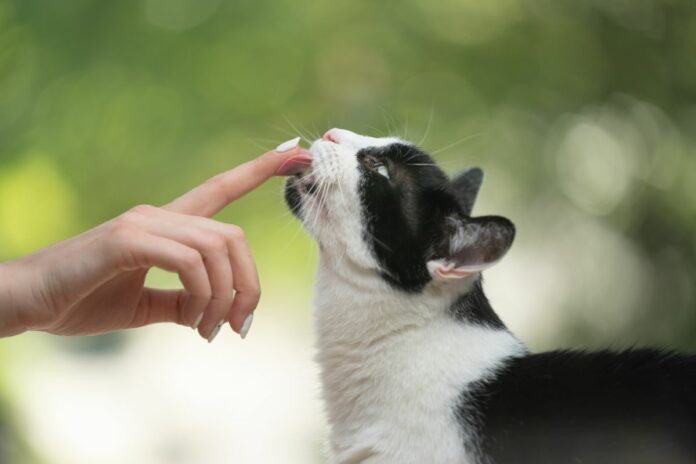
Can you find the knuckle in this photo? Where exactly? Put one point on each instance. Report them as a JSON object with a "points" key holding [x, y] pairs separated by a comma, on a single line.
{"points": [[123, 231], [213, 243], [202, 295], [236, 233], [131, 217], [225, 297], [191, 259], [143, 209], [206, 294], [126, 219], [254, 294]]}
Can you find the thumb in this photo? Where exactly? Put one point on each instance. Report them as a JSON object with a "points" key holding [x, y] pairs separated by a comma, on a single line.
{"points": [[157, 306]]}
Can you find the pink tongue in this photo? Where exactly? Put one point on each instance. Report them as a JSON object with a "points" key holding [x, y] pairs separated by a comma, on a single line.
{"points": [[295, 165]]}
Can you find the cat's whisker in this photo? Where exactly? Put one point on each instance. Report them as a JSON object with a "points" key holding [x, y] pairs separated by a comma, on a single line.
{"points": [[428, 126], [282, 130], [372, 236], [406, 126], [410, 156], [299, 132], [273, 218], [454, 144], [287, 224], [376, 130], [272, 142], [318, 202], [393, 127], [316, 133], [324, 194], [290, 133], [385, 117], [258, 145], [296, 234]]}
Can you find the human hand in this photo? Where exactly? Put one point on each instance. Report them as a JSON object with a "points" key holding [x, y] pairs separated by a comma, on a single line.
{"points": [[94, 282]]}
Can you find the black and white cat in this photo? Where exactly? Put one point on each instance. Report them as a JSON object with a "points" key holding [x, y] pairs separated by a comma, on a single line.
{"points": [[417, 367]]}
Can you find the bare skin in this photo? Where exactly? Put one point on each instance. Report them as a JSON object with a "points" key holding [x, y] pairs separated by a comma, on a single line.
{"points": [[94, 283]]}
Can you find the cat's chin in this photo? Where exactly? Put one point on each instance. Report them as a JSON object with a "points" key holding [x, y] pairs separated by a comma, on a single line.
{"points": [[306, 183]]}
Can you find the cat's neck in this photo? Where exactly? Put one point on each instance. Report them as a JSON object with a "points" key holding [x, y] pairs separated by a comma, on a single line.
{"points": [[355, 305], [379, 347]]}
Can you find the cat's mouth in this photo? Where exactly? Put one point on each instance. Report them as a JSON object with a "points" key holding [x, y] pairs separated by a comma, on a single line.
{"points": [[306, 182], [305, 179]]}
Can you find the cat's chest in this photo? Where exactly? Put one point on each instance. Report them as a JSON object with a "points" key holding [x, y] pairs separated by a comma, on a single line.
{"points": [[395, 397]]}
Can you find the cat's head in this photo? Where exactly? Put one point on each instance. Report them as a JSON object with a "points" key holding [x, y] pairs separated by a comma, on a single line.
{"points": [[382, 205]]}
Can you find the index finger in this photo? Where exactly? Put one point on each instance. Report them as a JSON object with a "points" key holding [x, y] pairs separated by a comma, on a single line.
{"points": [[219, 191]]}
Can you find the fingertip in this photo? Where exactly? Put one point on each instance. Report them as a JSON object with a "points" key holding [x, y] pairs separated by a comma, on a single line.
{"points": [[288, 145], [237, 317], [293, 162], [287, 154], [241, 323], [246, 326], [270, 161], [236, 320]]}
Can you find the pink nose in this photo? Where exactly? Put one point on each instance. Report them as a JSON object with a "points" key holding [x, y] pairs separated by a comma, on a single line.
{"points": [[331, 136]]}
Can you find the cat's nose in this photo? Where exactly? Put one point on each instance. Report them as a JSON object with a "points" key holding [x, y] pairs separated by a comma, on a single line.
{"points": [[331, 136]]}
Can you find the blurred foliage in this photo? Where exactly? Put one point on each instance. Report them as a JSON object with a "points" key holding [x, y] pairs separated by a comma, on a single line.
{"points": [[582, 114], [13, 447]]}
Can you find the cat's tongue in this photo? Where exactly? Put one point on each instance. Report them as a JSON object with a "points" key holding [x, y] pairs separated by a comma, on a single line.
{"points": [[296, 164]]}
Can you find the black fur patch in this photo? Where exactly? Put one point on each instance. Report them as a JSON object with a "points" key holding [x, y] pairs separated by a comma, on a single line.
{"points": [[473, 307], [404, 215], [633, 407], [293, 197]]}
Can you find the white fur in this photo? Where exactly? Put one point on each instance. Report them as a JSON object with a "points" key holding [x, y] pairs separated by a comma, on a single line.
{"points": [[394, 365]]}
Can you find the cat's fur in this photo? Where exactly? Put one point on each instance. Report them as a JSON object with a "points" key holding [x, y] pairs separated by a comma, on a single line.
{"points": [[417, 367]]}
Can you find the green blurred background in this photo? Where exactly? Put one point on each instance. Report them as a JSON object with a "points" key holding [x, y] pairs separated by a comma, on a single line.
{"points": [[581, 113]]}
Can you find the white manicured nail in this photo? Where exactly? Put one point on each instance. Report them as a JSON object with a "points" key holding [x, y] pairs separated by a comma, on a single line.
{"points": [[197, 322], [289, 145], [215, 331], [246, 326]]}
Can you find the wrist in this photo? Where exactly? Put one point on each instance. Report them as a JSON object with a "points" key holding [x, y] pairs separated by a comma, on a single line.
{"points": [[10, 311]]}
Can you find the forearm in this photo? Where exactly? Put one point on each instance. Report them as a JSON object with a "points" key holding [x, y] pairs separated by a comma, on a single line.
{"points": [[10, 318]]}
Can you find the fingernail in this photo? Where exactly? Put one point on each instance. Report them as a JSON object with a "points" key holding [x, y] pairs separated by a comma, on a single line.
{"points": [[289, 145], [246, 326], [215, 331], [197, 322]]}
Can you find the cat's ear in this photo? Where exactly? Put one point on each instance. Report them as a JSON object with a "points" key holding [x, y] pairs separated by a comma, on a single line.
{"points": [[471, 245], [466, 187]]}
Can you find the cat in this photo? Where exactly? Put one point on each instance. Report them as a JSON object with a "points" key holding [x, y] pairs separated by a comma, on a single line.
{"points": [[416, 367]]}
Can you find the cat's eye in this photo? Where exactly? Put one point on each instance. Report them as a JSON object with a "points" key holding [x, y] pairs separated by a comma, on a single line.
{"points": [[378, 166], [381, 169]]}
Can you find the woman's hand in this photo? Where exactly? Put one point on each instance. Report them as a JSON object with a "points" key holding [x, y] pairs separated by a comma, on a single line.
{"points": [[94, 283]]}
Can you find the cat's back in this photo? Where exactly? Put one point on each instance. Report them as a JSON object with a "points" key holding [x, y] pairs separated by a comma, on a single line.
{"points": [[637, 406]]}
